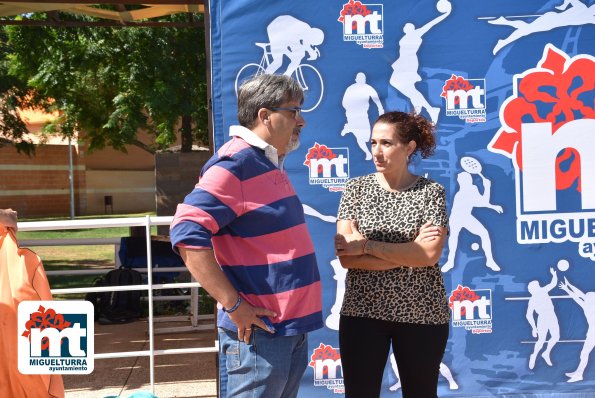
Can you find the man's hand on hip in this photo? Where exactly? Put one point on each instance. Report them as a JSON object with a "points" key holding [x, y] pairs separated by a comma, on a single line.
{"points": [[247, 317]]}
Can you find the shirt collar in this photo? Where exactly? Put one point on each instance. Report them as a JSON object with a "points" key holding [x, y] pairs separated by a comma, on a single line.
{"points": [[252, 139]]}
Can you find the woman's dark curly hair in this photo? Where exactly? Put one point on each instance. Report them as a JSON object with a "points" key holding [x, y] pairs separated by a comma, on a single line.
{"points": [[412, 126]]}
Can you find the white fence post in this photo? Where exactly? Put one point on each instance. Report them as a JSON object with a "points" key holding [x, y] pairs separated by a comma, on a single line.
{"points": [[147, 222]]}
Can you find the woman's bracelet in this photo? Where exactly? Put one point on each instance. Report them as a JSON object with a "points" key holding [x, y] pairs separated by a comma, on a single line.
{"points": [[235, 306]]}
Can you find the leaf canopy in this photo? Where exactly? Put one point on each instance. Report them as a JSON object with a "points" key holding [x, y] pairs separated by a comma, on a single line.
{"points": [[106, 82]]}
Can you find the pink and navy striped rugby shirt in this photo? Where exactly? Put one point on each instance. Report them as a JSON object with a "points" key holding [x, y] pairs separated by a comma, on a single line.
{"points": [[246, 209]]}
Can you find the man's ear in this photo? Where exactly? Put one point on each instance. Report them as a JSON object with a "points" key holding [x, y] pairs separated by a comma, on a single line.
{"points": [[264, 115]]}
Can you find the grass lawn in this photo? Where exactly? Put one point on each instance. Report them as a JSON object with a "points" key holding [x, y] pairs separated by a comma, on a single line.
{"points": [[74, 257]]}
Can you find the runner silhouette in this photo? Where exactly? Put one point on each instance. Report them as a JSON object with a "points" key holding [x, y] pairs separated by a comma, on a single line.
{"points": [[356, 102]]}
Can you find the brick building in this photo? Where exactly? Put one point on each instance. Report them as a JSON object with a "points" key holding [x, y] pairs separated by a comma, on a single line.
{"points": [[105, 181]]}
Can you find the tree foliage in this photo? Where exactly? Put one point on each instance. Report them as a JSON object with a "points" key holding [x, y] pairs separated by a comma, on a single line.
{"points": [[13, 94], [108, 82]]}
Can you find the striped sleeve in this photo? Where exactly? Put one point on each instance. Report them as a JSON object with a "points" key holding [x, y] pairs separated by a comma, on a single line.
{"points": [[214, 202]]}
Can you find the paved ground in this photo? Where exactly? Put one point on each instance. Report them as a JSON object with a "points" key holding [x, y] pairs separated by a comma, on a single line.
{"points": [[179, 375]]}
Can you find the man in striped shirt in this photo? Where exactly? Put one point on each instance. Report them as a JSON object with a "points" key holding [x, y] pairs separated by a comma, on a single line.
{"points": [[242, 235]]}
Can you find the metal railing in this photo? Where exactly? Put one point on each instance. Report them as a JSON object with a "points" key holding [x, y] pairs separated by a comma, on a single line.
{"points": [[147, 222]]}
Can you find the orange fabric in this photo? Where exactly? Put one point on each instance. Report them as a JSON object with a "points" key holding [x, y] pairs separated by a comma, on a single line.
{"points": [[22, 277]]}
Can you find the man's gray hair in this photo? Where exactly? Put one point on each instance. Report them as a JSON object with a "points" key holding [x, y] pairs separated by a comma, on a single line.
{"points": [[265, 91]]}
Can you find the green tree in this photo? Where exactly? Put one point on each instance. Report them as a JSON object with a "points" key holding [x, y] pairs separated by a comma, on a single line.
{"points": [[13, 94], [110, 82]]}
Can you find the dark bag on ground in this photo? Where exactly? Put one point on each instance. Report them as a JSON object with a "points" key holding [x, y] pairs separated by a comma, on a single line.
{"points": [[117, 307]]}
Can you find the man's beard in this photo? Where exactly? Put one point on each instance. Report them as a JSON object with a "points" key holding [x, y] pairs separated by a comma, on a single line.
{"points": [[293, 144]]}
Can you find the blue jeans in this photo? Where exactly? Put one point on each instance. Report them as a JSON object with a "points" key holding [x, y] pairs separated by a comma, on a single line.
{"points": [[269, 366]]}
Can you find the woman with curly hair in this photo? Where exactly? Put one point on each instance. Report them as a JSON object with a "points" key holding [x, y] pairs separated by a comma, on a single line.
{"points": [[391, 229]]}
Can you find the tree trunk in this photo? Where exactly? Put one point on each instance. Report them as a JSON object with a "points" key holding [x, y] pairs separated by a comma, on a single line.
{"points": [[186, 133]]}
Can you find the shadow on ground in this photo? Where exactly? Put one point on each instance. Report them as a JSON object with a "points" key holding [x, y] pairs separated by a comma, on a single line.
{"points": [[178, 375]]}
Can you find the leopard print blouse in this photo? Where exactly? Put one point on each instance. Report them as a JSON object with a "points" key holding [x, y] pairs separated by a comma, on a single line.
{"points": [[404, 294]]}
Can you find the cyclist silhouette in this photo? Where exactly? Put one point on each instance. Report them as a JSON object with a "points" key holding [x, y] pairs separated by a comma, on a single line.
{"points": [[288, 36]]}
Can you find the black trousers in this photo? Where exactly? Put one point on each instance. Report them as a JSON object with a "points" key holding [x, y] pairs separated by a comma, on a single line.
{"points": [[365, 345]]}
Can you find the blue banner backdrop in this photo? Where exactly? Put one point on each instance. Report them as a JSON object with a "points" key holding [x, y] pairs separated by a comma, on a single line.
{"points": [[511, 86]]}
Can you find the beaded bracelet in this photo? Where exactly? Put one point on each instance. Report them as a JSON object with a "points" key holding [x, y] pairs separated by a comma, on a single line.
{"points": [[235, 306]]}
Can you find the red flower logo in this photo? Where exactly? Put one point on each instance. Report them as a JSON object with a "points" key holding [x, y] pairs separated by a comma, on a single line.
{"points": [[456, 83], [561, 86], [353, 8], [319, 152], [43, 319], [322, 353], [461, 294]]}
